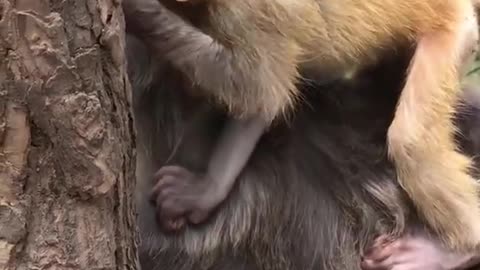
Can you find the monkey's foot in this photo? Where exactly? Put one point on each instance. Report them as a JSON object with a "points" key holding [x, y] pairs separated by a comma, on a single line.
{"points": [[414, 252], [180, 196]]}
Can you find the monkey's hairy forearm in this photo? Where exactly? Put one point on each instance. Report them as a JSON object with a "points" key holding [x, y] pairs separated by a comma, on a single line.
{"points": [[251, 79], [232, 152], [169, 36]]}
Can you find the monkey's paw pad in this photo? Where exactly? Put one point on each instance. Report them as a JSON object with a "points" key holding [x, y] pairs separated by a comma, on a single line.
{"points": [[181, 195]]}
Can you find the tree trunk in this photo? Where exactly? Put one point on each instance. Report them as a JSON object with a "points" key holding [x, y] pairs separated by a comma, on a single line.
{"points": [[66, 137]]}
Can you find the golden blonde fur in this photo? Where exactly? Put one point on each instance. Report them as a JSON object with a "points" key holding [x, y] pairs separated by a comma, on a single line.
{"points": [[344, 33], [333, 34]]}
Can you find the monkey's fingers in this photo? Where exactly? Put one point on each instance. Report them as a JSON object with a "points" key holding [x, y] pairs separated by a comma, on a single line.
{"points": [[170, 217], [161, 185], [376, 265], [176, 171], [170, 207], [171, 214], [174, 199], [379, 258], [382, 240], [154, 195], [166, 182], [381, 250]]}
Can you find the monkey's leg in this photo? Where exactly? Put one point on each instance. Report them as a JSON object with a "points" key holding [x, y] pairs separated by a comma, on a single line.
{"points": [[415, 252], [178, 192], [421, 137]]}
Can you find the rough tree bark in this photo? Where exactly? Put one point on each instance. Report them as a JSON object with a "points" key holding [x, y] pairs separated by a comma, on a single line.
{"points": [[66, 137]]}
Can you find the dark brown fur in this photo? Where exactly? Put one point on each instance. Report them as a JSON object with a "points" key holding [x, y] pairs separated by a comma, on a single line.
{"points": [[315, 192]]}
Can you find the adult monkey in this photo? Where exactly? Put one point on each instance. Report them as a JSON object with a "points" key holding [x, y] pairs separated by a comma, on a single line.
{"points": [[247, 56], [309, 198]]}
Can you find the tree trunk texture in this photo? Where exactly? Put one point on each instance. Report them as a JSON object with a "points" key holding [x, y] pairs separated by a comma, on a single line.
{"points": [[66, 137]]}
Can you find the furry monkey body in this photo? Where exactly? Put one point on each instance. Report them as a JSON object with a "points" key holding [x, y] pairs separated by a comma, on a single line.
{"points": [[247, 56]]}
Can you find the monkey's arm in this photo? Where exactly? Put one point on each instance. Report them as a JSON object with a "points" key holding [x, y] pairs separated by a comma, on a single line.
{"points": [[233, 150], [180, 193], [251, 78]]}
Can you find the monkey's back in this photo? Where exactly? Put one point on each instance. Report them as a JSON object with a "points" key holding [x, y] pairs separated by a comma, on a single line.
{"points": [[356, 29], [332, 30]]}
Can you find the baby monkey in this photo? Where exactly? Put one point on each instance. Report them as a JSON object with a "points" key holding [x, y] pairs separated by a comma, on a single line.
{"points": [[247, 56]]}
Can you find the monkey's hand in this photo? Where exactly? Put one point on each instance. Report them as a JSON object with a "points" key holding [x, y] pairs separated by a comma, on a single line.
{"points": [[181, 196], [414, 252]]}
